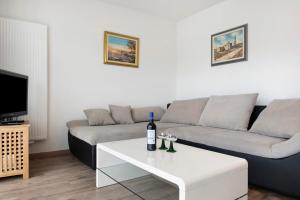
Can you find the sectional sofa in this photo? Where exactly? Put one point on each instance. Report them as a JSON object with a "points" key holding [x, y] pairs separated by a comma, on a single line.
{"points": [[267, 138]]}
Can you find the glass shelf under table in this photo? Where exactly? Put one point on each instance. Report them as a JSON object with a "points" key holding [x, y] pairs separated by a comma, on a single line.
{"points": [[141, 183]]}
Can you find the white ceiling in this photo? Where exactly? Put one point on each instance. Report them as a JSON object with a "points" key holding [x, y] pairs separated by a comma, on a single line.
{"points": [[171, 9]]}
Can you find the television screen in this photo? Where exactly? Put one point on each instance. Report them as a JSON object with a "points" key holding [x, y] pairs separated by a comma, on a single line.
{"points": [[13, 101]]}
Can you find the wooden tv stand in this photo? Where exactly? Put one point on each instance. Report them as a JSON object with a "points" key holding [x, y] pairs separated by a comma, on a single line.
{"points": [[14, 159]]}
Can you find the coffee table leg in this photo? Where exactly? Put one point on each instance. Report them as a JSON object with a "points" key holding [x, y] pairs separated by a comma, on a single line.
{"points": [[182, 194]]}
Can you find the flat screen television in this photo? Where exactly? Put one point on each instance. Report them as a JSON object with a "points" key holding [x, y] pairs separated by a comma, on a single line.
{"points": [[13, 95]]}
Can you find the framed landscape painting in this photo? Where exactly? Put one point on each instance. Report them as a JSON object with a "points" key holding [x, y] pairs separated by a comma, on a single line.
{"points": [[229, 46], [121, 49]]}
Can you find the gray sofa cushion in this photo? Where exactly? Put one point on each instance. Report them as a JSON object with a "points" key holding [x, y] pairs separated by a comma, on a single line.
{"points": [[142, 114], [121, 114], [288, 147], [185, 111], [162, 126], [98, 134], [229, 112], [280, 119], [239, 141], [77, 123], [97, 117]]}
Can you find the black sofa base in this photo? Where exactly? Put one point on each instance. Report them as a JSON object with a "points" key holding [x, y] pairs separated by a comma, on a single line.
{"points": [[85, 152], [278, 175]]}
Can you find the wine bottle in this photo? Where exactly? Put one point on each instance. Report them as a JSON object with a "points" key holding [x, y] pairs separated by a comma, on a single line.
{"points": [[151, 133]]}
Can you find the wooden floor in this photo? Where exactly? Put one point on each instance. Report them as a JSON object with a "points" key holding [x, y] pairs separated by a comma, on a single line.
{"points": [[65, 178]]}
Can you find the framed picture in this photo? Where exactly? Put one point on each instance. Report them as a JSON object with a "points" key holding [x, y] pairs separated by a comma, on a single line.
{"points": [[229, 46], [121, 49]]}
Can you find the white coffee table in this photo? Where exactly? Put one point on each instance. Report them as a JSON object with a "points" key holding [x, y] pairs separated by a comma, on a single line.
{"points": [[199, 174]]}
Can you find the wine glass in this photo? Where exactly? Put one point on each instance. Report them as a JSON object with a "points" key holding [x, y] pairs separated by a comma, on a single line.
{"points": [[163, 137], [172, 139]]}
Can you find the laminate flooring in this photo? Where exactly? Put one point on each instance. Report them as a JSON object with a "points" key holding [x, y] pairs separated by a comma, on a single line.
{"points": [[66, 178]]}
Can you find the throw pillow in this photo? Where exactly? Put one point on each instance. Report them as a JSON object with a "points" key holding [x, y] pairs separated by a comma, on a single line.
{"points": [[281, 119], [142, 114], [98, 117], [121, 114], [229, 112], [185, 111]]}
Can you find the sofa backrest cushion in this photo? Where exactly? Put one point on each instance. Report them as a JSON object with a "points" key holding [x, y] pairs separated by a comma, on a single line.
{"points": [[142, 114], [256, 112], [281, 119], [185, 111], [98, 117], [121, 114], [229, 112]]}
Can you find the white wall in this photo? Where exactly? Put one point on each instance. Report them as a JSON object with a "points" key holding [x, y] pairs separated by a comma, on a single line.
{"points": [[78, 79], [273, 67]]}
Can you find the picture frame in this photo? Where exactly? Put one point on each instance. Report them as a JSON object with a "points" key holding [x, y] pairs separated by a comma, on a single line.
{"points": [[229, 46], [120, 49]]}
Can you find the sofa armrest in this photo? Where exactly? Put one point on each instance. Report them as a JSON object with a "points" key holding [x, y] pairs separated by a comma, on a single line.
{"points": [[287, 148], [76, 123]]}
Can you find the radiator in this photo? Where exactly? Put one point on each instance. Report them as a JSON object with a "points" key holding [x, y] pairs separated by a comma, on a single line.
{"points": [[23, 49]]}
